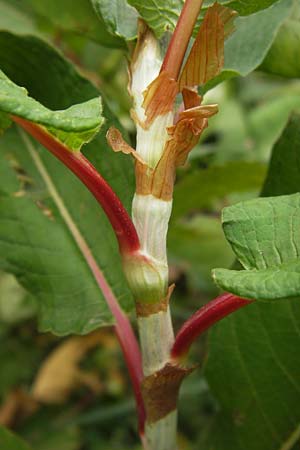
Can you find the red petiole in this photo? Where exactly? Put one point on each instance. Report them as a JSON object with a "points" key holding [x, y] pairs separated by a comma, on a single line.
{"points": [[203, 319]]}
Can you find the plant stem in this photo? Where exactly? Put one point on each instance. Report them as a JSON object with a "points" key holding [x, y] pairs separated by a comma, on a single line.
{"points": [[86, 172], [157, 338], [151, 216], [180, 38], [203, 319]]}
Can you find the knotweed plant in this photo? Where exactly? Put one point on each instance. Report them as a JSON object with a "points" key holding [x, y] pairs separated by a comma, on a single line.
{"points": [[170, 117]]}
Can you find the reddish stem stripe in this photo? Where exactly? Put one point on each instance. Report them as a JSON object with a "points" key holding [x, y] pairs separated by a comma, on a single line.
{"points": [[180, 38], [126, 338], [203, 319], [86, 172]]}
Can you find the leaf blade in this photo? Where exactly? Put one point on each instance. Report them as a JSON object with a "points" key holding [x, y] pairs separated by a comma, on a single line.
{"points": [[74, 126], [59, 312]]}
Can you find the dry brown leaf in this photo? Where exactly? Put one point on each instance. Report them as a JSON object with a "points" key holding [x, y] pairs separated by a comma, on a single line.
{"points": [[191, 99], [118, 144], [60, 373], [17, 406], [206, 58]]}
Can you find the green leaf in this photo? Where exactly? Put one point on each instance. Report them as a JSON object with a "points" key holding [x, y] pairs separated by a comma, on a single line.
{"points": [[283, 57], [35, 239], [162, 15], [74, 126], [119, 17], [8, 441], [282, 281], [283, 172], [255, 349], [263, 234], [247, 47]]}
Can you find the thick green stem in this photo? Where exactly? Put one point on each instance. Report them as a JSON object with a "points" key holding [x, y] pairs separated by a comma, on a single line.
{"points": [[157, 338], [151, 216], [162, 434]]}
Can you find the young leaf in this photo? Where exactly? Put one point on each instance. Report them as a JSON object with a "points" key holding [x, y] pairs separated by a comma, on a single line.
{"points": [[40, 200], [73, 127]]}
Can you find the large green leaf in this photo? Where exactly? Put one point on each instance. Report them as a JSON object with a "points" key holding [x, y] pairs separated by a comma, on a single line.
{"points": [[119, 17], [8, 441], [253, 370], [253, 364], [263, 235], [35, 239], [74, 126], [162, 15]]}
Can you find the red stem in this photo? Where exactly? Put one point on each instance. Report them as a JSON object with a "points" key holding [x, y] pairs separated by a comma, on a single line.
{"points": [[128, 241], [203, 319], [180, 38], [119, 218]]}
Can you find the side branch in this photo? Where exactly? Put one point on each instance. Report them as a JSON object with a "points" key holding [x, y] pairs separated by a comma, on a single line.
{"points": [[203, 319], [119, 218]]}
